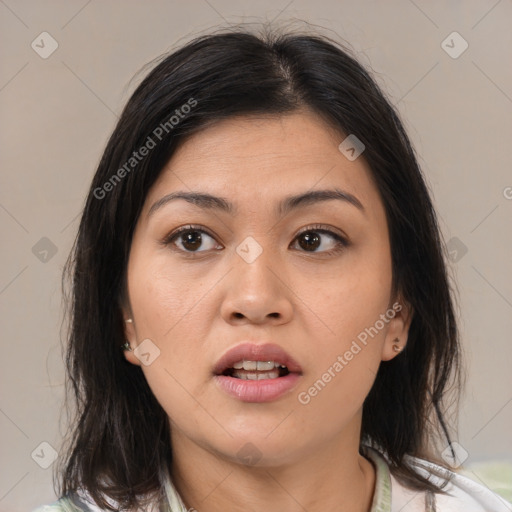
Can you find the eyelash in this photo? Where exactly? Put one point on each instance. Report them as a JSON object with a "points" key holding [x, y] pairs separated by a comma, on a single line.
{"points": [[316, 228]]}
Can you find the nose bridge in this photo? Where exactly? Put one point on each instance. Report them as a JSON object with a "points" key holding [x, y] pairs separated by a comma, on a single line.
{"points": [[252, 262], [254, 289]]}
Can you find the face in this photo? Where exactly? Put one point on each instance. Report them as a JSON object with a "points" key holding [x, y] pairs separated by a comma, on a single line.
{"points": [[310, 282]]}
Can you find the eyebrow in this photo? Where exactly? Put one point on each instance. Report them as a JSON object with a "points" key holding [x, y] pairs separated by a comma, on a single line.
{"points": [[211, 202]]}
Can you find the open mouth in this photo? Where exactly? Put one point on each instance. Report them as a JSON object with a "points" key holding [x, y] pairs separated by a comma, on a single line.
{"points": [[257, 373], [256, 370]]}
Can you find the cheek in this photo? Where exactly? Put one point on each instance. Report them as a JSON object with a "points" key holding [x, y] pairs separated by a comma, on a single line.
{"points": [[346, 362], [352, 309], [163, 296], [336, 396], [354, 298], [170, 309]]}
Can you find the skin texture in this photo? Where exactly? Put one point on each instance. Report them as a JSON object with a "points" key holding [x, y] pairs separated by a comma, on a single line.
{"points": [[313, 304]]}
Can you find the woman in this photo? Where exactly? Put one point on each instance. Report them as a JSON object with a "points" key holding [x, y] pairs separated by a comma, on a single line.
{"points": [[261, 317]]}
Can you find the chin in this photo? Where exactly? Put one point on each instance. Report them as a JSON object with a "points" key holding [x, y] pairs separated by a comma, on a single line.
{"points": [[261, 449]]}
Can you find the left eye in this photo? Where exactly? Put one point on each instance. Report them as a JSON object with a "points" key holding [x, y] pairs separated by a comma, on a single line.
{"points": [[312, 240]]}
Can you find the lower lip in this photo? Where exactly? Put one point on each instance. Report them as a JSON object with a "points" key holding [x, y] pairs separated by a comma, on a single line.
{"points": [[265, 390]]}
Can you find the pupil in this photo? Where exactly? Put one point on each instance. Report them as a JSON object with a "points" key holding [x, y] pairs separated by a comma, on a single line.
{"points": [[311, 239], [192, 239]]}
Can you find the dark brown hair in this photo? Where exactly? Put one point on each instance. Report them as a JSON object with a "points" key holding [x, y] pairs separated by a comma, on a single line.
{"points": [[120, 436]]}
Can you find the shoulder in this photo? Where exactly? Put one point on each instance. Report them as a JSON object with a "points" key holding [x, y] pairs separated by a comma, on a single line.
{"points": [[461, 493], [73, 503], [54, 507], [81, 501]]}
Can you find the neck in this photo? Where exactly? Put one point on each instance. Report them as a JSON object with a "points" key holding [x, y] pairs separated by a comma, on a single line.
{"points": [[332, 477]]}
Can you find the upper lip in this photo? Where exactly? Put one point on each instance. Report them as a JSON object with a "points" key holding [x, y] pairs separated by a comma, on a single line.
{"points": [[256, 352]]}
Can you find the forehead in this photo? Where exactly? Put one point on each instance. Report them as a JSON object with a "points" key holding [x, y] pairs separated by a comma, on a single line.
{"points": [[260, 141], [262, 158]]}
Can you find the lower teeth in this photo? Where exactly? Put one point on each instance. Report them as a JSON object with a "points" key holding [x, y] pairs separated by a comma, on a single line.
{"points": [[259, 375]]}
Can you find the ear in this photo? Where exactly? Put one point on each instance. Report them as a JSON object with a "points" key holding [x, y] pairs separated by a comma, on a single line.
{"points": [[398, 330], [130, 335]]}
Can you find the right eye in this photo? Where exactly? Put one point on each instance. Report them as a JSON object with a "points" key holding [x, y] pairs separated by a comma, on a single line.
{"points": [[189, 239]]}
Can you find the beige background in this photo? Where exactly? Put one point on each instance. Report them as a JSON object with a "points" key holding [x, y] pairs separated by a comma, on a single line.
{"points": [[58, 112]]}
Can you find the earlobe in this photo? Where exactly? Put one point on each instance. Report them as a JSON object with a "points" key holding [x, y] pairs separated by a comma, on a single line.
{"points": [[129, 355], [396, 336], [393, 349], [131, 337], [396, 345]]}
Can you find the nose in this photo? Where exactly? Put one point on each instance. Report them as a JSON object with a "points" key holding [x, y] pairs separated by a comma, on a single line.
{"points": [[257, 292]]}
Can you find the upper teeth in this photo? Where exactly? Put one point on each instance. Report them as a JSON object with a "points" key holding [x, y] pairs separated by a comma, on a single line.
{"points": [[257, 365]]}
